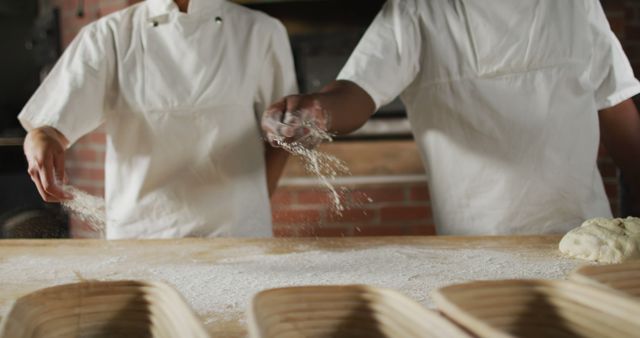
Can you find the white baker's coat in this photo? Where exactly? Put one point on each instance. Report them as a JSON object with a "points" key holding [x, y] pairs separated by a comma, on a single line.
{"points": [[180, 102], [502, 96]]}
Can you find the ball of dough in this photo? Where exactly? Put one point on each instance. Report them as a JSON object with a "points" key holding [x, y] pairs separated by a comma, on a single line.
{"points": [[604, 240]]}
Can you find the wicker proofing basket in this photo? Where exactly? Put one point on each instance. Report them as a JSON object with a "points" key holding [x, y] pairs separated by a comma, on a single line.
{"points": [[623, 277], [343, 311], [102, 309], [530, 308]]}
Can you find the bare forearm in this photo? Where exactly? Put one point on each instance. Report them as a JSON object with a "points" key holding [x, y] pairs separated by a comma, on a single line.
{"points": [[276, 159], [348, 104], [44, 150], [50, 132], [620, 134]]}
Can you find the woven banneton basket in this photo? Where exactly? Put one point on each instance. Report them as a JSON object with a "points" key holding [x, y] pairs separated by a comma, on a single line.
{"points": [[353, 311], [623, 277], [102, 309], [536, 308]]}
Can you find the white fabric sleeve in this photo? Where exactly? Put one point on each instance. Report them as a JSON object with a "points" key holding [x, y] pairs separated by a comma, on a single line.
{"points": [[277, 76], [610, 71], [387, 57], [72, 96]]}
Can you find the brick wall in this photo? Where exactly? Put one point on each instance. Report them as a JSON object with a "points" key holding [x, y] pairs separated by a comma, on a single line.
{"points": [[399, 208]]}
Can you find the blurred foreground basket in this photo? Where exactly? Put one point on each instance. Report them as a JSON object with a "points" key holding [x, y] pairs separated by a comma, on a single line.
{"points": [[102, 309], [623, 277], [352, 311], [537, 308]]}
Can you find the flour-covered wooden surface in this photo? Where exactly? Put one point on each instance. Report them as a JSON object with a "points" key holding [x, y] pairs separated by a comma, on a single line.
{"points": [[218, 277]]}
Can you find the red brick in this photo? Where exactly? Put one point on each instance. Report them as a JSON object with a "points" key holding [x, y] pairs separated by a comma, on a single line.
{"points": [[84, 155], [82, 144], [281, 198], [306, 230], [358, 197], [377, 195], [405, 213], [86, 173], [310, 231], [352, 215], [296, 216], [72, 163], [96, 137], [293, 231], [421, 230], [330, 232], [379, 231], [283, 231], [106, 10], [314, 196], [67, 37], [95, 191], [420, 193]]}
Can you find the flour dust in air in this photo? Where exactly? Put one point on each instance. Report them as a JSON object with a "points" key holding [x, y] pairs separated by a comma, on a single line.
{"points": [[88, 208], [324, 166]]}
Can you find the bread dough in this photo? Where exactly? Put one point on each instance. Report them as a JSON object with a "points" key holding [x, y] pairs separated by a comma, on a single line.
{"points": [[604, 240]]}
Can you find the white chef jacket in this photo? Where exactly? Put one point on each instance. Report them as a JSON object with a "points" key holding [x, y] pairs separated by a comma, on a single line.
{"points": [[502, 96], [180, 95]]}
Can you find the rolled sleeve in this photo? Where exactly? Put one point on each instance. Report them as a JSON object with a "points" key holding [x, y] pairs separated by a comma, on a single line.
{"points": [[72, 96], [386, 59], [611, 72]]}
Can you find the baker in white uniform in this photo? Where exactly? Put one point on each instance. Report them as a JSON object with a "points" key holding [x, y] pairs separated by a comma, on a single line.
{"points": [[180, 89], [506, 99]]}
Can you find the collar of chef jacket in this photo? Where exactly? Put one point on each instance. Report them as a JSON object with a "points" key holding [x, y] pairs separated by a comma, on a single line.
{"points": [[200, 7]]}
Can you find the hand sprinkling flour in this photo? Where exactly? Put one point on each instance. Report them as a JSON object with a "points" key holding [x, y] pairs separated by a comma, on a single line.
{"points": [[324, 166]]}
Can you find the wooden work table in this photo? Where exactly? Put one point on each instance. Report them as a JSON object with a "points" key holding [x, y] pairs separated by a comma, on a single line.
{"points": [[16, 280]]}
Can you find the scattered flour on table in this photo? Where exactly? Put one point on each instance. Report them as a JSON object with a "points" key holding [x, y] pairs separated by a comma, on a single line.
{"points": [[226, 286]]}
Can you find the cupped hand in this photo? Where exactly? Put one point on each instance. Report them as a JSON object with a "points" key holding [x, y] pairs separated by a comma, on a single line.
{"points": [[296, 118], [44, 148]]}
